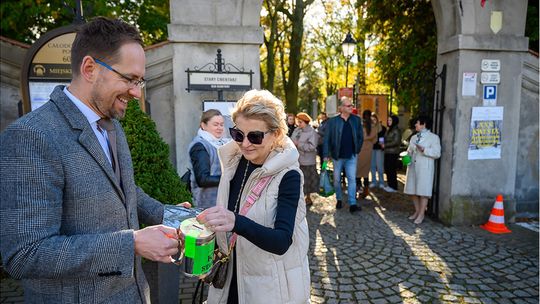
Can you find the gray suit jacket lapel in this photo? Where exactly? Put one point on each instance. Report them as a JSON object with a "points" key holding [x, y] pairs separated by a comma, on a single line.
{"points": [[87, 137]]}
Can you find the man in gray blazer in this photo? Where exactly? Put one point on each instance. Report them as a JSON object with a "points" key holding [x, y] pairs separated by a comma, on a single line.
{"points": [[69, 206]]}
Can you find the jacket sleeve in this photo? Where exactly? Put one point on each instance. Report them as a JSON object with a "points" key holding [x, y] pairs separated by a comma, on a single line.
{"points": [[31, 214], [360, 135], [278, 239], [311, 144], [392, 139], [433, 150], [326, 140], [200, 160], [149, 210]]}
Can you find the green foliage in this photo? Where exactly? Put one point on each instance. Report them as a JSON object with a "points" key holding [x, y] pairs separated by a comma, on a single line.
{"points": [[531, 26], [27, 20], [154, 172], [407, 50]]}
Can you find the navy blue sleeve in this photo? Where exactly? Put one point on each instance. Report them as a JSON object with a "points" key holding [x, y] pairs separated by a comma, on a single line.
{"points": [[200, 161], [275, 240]]}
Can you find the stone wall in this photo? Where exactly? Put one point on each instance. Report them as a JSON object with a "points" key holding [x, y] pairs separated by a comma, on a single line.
{"points": [[526, 193], [11, 58], [466, 37]]}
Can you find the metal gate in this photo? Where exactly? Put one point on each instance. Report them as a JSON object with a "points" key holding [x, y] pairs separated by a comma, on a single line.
{"points": [[432, 104]]}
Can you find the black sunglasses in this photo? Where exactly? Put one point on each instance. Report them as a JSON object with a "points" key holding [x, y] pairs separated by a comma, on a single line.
{"points": [[254, 137]]}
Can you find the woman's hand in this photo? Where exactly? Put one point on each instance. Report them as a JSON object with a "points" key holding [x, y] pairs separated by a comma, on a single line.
{"points": [[185, 205], [217, 219]]}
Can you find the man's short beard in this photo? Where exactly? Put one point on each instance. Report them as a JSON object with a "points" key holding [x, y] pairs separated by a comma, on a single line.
{"points": [[95, 100]]}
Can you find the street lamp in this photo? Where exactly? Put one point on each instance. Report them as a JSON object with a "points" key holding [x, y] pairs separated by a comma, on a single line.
{"points": [[348, 46]]}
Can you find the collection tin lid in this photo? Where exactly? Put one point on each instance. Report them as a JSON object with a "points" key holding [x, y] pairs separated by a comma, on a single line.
{"points": [[191, 227]]}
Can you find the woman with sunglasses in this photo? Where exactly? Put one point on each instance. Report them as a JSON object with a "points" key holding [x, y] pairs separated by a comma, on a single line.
{"points": [[269, 259], [305, 138], [204, 161]]}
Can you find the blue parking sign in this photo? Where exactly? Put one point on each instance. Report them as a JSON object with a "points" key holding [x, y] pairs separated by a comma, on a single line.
{"points": [[490, 95], [490, 92]]}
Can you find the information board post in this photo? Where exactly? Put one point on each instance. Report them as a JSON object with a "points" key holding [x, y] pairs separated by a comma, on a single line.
{"points": [[219, 76]]}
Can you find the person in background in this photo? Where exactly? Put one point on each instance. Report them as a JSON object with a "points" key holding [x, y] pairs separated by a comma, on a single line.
{"points": [[424, 149], [70, 209], [342, 142], [377, 156], [323, 119], [204, 160], [408, 133], [305, 139], [290, 123], [391, 146], [364, 157], [273, 239]]}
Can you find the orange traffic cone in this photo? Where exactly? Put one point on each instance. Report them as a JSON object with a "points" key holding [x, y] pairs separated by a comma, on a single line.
{"points": [[495, 223]]}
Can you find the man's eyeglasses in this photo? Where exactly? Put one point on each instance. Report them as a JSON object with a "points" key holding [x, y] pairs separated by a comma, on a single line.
{"points": [[132, 81], [254, 137], [348, 106]]}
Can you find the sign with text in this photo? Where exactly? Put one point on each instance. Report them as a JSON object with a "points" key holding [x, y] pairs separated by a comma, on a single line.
{"points": [[490, 77], [46, 64], [491, 65], [485, 135], [468, 86], [53, 59], [211, 81], [490, 95]]}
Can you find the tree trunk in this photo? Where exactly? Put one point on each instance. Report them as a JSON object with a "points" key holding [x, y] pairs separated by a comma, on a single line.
{"points": [[295, 56]]}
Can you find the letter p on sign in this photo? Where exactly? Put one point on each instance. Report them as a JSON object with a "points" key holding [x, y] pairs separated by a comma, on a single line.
{"points": [[490, 95]]}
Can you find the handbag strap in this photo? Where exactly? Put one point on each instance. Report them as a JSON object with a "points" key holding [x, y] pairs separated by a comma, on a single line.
{"points": [[252, 197]]}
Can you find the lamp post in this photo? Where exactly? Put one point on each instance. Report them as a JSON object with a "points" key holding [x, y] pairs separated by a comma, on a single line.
{"points": [[348, 46]]}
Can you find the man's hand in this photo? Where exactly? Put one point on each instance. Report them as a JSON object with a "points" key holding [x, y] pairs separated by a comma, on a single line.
{"points": [[157, 243]]}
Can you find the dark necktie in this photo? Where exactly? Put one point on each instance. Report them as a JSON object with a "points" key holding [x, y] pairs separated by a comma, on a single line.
{"points": [[106, 124]]}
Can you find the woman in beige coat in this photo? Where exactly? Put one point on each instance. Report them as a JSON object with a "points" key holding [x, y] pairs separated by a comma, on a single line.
{"points": [[424, 149], [363, 165]]}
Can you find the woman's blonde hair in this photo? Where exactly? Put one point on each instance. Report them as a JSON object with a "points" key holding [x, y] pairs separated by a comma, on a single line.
{"points": [[262, 105]]}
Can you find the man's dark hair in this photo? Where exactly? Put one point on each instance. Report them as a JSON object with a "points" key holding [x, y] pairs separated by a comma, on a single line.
{"points": [[424, 120], [102, 38]]}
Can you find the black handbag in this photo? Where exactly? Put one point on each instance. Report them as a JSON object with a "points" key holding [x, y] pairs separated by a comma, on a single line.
{"points": [[186, 179], [218, 273]]}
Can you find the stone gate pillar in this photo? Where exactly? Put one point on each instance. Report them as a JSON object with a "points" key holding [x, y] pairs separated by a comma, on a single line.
{"points": [[198, 28], [467, 34]]}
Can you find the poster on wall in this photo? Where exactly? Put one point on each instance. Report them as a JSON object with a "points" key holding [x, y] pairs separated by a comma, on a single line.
{"points": [[468, 87], [485, 135], [41, 91], [225, 107]]}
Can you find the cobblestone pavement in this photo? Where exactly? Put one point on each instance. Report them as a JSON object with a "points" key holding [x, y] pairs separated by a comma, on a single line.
{"points": [[379, 256]]}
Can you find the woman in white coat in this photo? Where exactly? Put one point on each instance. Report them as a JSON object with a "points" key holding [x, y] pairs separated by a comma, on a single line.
{"points": [[424, 149]]}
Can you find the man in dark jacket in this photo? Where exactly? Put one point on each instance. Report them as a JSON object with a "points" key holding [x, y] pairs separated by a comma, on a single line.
{"points": [[342, 142]]}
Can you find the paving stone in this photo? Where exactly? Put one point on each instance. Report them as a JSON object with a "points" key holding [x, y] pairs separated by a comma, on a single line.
{"points": [[360, 295], [374, 294], [506, 294], [471, 300], [449, 298], [376, 260], [521, 293]]}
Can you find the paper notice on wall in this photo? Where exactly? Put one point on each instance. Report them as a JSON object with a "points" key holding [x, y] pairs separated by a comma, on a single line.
{"points": [[41, 91], [468, 87], [485, 135]]}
